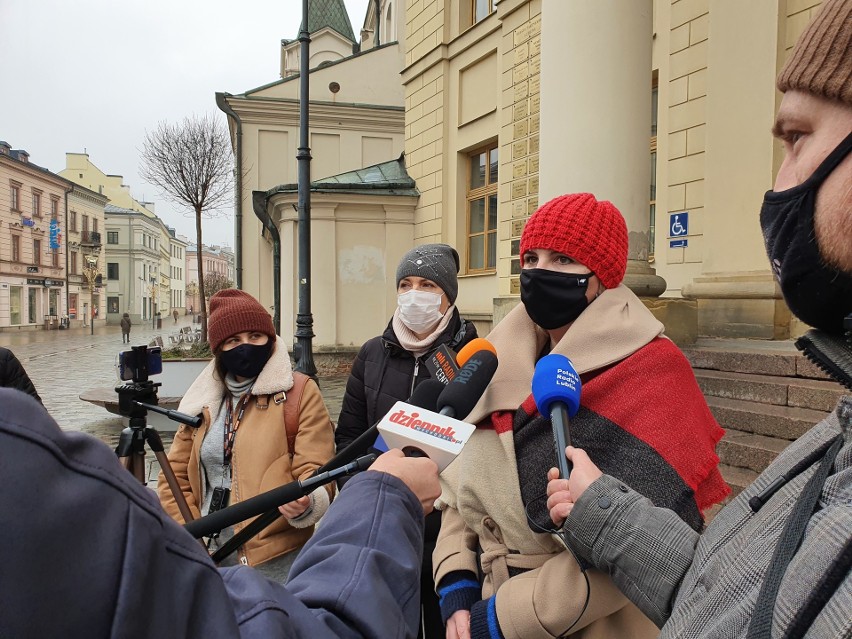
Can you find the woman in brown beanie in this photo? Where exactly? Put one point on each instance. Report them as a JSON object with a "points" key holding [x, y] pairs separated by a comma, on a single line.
{"points": [[500, 573], [241, 448]]}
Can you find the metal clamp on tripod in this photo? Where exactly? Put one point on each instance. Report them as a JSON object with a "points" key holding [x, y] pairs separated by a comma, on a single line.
{"points": [[136, 397]]}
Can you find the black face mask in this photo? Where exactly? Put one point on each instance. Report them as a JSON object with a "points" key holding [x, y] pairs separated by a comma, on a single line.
{"points": [[553, 299], [818, 294], [246, 360]]}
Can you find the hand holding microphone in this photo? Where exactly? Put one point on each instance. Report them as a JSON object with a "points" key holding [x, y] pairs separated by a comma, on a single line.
{"points": [[420, 475], [441, 436], [556, 390]]}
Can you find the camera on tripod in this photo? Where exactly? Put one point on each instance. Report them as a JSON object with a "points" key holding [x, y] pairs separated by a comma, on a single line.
{"points": [[134, 367]]}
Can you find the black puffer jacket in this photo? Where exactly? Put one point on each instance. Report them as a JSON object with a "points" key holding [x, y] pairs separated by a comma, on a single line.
{"points": [[384, 373], [13, 375]]}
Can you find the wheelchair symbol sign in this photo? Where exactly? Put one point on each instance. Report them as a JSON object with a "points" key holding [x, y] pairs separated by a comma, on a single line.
{"points": [[679, 224]]}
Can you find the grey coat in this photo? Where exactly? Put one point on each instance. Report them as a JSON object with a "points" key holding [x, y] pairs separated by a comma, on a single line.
{"points": [[707, 585]]}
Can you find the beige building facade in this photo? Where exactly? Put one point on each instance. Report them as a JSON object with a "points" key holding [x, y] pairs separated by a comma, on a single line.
{"points": [[152, 279], [85, 263], [662, 106], [357, 120], [51, 233]]}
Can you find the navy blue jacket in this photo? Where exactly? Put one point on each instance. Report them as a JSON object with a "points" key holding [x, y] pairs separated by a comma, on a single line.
{"points": [[87, 551]]}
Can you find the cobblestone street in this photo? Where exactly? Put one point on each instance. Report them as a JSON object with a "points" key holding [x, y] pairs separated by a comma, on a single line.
{"points": [[65, 363]]}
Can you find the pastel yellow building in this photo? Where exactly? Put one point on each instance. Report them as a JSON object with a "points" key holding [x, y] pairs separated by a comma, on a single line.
{"points": [[357, 114], [144, 258], [661, 106], [509, 104]]}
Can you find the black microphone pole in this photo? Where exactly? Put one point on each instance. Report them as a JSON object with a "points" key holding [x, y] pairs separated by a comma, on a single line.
{"points": [[561, 436], [249, 508]]}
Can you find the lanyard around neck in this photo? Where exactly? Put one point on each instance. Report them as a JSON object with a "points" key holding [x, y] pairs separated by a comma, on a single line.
{"points": [[231, 424]]}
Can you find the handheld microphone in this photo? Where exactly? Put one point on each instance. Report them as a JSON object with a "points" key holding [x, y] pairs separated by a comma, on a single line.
{"points": [[440, 436], [424, 393], [424, 396], [474, 346], [462, 394], [556, 390], [263, 502]]}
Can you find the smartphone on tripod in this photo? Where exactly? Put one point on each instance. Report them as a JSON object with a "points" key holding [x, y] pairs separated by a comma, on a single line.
{"points": [[135, 366]]}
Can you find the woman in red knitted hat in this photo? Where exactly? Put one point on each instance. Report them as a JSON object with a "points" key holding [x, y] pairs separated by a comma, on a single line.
{"points": [[241, 448], [499, 571]]}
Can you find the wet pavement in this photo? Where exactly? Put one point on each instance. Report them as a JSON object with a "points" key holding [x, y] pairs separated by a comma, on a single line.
{"points": [[66, 363]]}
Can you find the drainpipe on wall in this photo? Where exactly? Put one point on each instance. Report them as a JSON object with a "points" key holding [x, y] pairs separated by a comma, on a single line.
{"points": [[259, 201], [67, 257], [378, 22], [238, 187]]}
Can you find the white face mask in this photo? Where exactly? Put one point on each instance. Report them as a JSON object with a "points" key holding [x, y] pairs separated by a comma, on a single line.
{"points": [[419, 310]]}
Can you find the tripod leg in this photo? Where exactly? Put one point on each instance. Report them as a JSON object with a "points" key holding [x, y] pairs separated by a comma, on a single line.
{"points": [[156, 444], [137, 465], [169, 474]]}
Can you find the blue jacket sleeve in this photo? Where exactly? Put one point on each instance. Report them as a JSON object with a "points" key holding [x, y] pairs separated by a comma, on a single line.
{"points": [[359, 575]]}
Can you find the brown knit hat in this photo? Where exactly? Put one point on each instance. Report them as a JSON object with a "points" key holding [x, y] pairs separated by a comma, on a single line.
{"points": [[821, 62], [233, 311], [588, 230]]}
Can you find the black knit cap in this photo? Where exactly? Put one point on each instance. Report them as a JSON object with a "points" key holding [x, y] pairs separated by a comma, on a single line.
{"points": [[436, 262]]}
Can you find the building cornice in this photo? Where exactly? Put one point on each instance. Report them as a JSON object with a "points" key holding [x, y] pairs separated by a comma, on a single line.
{"points": [[285, 112], [81, 192], [35, 170]]}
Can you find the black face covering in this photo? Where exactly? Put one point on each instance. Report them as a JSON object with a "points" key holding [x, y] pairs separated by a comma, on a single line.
{"points": [[553, 299], [818, 294], [246, 360]]}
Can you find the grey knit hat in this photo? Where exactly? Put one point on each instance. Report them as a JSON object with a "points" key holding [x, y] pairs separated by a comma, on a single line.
{"points": [[436, 262]]}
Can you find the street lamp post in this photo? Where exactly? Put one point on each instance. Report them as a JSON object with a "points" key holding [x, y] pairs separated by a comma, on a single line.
{"points": [[153, 292], [92, 276]]}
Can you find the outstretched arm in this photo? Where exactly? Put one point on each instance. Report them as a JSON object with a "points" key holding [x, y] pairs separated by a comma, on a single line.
{"points": [[646, 550], [360, 572]]}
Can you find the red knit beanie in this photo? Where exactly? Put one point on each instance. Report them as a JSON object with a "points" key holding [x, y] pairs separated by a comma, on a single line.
{"points": [[587, 230], [233, 311]]}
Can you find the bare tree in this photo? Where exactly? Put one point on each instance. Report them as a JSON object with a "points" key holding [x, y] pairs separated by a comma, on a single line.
{"points": [[192, 163], [215, 282]]}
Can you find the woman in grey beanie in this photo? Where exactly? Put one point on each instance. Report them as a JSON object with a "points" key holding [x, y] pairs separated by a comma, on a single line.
{"points": [[389, 366]]}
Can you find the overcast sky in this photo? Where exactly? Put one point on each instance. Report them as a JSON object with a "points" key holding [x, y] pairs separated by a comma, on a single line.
{"points": [[95, 75]]}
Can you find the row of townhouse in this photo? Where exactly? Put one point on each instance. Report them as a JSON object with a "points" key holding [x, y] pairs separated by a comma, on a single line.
{"points": [[77, 249]]}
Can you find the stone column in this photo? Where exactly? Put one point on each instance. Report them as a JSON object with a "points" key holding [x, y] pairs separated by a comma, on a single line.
{"points": [[596, 114]]}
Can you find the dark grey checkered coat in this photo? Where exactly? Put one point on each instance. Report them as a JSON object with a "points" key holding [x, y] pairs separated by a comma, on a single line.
{"points": [[707, 586]]}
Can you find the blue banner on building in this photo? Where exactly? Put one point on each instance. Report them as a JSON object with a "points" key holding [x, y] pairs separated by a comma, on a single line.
{"points": [[55, 234]]}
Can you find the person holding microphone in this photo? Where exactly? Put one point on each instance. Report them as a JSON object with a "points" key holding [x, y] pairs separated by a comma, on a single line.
{"points": [[500, 572], [389, 367]]}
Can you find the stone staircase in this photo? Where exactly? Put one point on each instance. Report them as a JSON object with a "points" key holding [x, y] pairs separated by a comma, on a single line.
{"points": [[764, 394]]}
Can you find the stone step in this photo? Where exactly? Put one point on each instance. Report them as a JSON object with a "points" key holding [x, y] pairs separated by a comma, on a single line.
{"points": [[779, 358], [815, 394], [737, 478], [782, 422], [749, 451]]}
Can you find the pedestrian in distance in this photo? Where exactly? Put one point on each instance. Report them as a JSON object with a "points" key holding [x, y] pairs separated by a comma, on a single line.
{"points": [[175, 315], [499, 572], [13, 375], [124, 567], [776, 560], [263, 426], [388, 367], [125, 328]]}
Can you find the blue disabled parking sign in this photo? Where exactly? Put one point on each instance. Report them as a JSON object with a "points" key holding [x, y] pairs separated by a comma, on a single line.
{"points": [[679, 224]]}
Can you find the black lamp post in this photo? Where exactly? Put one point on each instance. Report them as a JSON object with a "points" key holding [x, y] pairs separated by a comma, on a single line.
{"points": [[304, 319], [91, 272]]}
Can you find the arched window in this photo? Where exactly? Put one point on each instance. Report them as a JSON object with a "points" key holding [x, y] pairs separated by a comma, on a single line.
{"points": [[390, 36]]}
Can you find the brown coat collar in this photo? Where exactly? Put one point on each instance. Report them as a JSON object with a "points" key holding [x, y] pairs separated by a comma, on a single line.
{"points": [[208, 389]]}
